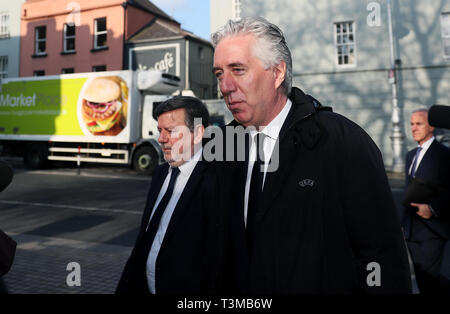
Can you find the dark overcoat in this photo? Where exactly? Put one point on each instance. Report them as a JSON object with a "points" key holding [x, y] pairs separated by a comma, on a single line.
{"points": [[328, 222], [191, 257]]}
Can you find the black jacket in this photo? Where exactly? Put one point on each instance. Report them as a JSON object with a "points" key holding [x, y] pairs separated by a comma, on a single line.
{"points": [[434, 169], [191, 257], [327, 212], [7, 245]]}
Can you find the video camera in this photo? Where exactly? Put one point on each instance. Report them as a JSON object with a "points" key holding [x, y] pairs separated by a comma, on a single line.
{"points": [[439, 116]]}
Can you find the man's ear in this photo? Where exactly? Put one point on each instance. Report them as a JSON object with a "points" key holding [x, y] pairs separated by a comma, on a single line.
{"points": [[279, 72], [199, 130]]}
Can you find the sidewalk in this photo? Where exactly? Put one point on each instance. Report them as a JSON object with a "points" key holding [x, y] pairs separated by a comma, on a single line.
{"points": [[40, 266]]}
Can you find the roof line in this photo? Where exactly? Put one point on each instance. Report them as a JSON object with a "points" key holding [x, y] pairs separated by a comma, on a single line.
{"points": [[146, 25], [149, 40], [164, 15]]}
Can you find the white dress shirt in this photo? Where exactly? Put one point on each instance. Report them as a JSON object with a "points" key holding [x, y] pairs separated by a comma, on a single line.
{"points": [[425, 147], [185, 172], [272, 131]]}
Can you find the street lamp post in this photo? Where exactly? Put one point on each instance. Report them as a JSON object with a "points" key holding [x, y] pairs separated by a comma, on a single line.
{"points": [[396, 133]]}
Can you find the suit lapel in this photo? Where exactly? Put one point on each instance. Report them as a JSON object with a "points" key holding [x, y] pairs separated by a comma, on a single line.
{"points": [[407, 216], [237, 227], [427, 159], [155, 188], [409, 159], [184, 201], [300, 117], [274, 180]]}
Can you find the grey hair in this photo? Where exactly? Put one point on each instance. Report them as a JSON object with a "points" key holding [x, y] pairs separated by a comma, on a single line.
{"points": [[420, 110], [271, 47]]}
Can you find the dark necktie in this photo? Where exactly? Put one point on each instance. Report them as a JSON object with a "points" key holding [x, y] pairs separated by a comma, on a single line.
{"points": [[149, 235], [413, 169], [255, 193]]}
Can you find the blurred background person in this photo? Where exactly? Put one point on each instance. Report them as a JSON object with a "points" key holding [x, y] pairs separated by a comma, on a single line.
{"points": [[426, 223]]}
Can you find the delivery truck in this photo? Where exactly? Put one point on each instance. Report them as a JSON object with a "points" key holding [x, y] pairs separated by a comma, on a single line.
{"points": [[101, 117]]}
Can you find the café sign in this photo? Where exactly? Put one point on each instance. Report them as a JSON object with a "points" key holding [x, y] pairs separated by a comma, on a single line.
{"points": [[164, 58]]}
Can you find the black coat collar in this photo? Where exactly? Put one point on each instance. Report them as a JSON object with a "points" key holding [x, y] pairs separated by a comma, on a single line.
{"points": [[301, 119]]}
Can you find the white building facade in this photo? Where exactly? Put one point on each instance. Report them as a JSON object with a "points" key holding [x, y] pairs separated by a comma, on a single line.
{"points": [[223, 10], [10, 38], [341, 56]]}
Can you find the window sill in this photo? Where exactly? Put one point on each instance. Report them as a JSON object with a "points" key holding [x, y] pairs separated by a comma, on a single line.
{"points": [[68, 52], [39, 56], [4, 36], [345, 66], [99, 49]]}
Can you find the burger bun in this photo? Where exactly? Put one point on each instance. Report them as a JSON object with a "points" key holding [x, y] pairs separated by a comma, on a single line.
{"points": [[102, 90]]}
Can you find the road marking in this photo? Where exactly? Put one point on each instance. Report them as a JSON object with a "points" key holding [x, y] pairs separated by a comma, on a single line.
{"points": [[60, 173], [109, 210]]}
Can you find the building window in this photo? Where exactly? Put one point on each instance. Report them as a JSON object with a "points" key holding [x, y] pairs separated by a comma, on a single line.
{"points": [[100, 33], [236, 9], [4, 25], [40, 40], [445, 28], [67, 71], [345, 43], [39, 73], [3, 66], [99, 68], [69, 37]]}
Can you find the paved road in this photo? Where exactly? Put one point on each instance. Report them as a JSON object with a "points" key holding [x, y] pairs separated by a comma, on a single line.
{"points": [[59, 216]]}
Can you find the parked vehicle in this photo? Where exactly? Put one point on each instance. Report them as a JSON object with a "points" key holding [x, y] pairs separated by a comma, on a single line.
{"points": [[102, 117]]}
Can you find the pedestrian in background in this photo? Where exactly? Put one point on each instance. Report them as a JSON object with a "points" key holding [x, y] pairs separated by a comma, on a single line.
{"points": [[426, 220]]}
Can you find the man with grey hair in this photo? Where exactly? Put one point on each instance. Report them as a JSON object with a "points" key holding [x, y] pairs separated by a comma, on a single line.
{"points": [[325, 220], [426, 222]]}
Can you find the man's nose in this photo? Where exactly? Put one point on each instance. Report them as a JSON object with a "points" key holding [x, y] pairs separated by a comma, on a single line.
{"points": [[162, 137], [227, 84]]}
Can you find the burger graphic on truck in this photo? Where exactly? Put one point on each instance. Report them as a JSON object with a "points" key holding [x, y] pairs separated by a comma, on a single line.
{"points": [[104, 106]]}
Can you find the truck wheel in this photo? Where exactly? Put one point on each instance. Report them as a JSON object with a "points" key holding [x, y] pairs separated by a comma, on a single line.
{"points": [[36, 155], [145, 160]]}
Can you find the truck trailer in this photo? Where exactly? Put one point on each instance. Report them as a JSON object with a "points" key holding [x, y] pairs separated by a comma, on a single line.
{"points": [[100, 117]]}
